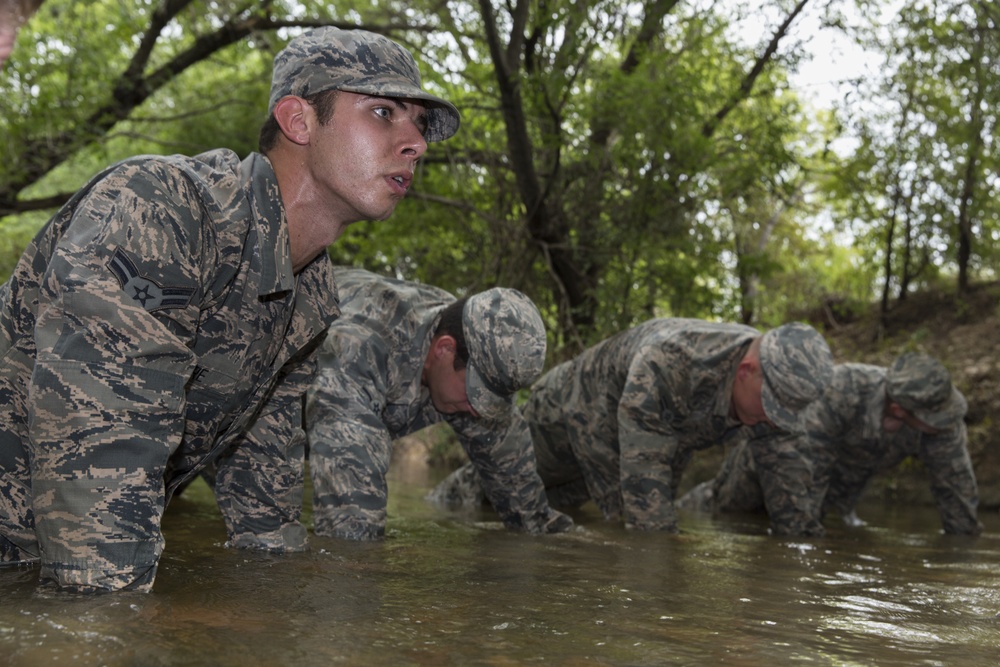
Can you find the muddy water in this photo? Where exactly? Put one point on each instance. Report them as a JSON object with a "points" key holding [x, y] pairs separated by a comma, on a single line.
{"points": [[456, 589]]}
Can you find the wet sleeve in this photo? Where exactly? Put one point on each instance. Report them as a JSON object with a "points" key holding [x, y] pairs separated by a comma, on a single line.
{"points": [[822, 430], [504, 459], [651, 464], [349, 444], [953, 481], [785, 472], [106, 399], [259, 487], [839, 479]]}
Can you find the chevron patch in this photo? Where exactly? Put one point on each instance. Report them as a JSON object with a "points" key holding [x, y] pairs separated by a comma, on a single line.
{"points": [[145, 291]]}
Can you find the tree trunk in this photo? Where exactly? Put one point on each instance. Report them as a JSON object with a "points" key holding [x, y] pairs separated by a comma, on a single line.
{"points": [[972, 159]]}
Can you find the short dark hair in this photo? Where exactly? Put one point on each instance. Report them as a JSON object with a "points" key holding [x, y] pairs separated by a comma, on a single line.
{"points": [[451, 325], [323, 103]]}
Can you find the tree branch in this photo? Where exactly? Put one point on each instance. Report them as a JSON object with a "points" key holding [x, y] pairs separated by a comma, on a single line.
{"points": [[746, 86]]}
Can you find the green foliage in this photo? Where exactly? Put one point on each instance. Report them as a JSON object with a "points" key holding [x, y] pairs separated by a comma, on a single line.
{"points": [[925, 157], [658, 206]]}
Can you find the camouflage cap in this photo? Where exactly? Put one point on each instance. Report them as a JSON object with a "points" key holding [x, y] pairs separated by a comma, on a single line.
{"points": [[357, 61], [797, 366], [922, 387], [506, 340]]}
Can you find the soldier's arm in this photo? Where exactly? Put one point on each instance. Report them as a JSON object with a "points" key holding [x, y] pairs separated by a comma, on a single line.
{"points": [[651, 403], [259, 486], [953, 481], [505, 462], [107, 392], [349, 444], [785, 472], [825, 427]]}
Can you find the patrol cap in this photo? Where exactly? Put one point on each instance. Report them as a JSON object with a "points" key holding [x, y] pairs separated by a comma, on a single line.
{"points": [[922, 387], [506, 340], [797, 365], [357, 61]]}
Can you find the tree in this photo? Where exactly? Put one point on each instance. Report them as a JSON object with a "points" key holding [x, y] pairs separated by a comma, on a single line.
{"points": [[926, 164], [618, 160]]}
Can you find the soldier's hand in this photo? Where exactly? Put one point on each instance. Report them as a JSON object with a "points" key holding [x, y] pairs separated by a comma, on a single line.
{"points": [[558, 523], [851, 519]]}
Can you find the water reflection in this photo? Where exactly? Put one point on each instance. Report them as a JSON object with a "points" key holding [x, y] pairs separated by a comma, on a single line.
{"points": [[456, 589]]}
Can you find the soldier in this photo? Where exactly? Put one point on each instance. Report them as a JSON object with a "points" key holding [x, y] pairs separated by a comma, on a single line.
{"points": [[404, 356], [619, 423], [170, 313], [869, 420]]}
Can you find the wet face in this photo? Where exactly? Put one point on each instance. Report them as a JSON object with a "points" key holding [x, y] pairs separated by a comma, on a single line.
{"points": [[747, 403], [445, 384], [363, 158]]}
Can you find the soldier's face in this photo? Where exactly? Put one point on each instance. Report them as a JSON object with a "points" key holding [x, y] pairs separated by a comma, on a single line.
{"points": [[896, 416], [365, 156], [445, 384], [748, 406], [448, 393]]}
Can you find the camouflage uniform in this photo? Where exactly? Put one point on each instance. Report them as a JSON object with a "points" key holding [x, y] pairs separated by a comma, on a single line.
{"points": [[154, 327], [369, 392], [619, 423], [846, 445], [136, 347], [772, 474]]}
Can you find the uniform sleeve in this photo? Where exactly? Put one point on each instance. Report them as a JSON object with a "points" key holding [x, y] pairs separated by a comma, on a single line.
{"points": [[953, 482], [651, 404], [259, 487], [785, 471], [349, 444], [824, 429], [505, 462], [107, 393]]}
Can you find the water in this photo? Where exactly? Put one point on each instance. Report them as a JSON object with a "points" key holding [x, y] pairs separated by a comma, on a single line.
{"points": [[457, 589]]}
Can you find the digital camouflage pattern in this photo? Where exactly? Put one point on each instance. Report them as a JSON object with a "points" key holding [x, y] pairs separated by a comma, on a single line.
{"points": [[356, 61], [844, 447], [368, 393], [765, 474], [138, 345], [797, 365], [921, 385], [619, 423], [505, 337]]}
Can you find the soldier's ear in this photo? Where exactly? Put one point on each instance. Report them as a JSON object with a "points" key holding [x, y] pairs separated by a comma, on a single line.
{"points": [[443, 346], [748, 366], [294, 116], [449, 345]]}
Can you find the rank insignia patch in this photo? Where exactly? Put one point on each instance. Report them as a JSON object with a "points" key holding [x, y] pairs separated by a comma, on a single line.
{"points": [[146, 292]]}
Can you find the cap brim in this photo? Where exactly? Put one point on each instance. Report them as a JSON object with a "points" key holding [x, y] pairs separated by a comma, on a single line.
{"points": [[777, 413], [487, 404], [443, 118], [947, 417]]}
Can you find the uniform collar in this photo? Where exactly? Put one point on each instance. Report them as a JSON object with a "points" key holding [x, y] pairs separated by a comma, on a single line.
{"points": [[269, 220]]}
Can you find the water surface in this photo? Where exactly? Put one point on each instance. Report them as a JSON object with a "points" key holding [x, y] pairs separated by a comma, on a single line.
{"points": [[456, 589]]}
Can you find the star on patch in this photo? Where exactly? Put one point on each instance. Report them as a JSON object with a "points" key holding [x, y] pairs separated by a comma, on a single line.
{"points": [[145, 291]]}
